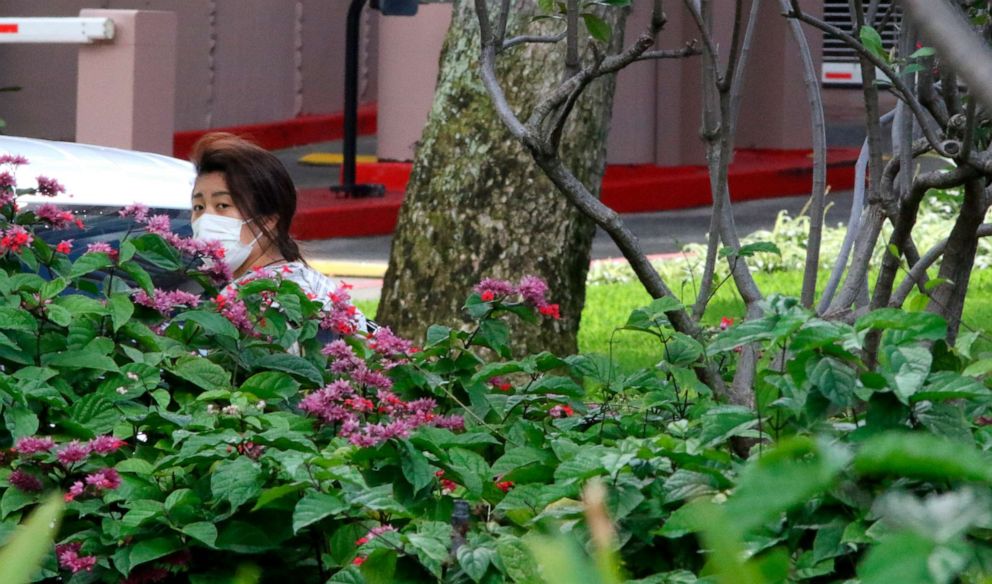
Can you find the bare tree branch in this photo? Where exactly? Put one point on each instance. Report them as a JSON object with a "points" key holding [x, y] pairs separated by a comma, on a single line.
{"points": [[524, 39], [690, 49], [917, 273], [571, 38], [819, 187], [703, 32]]}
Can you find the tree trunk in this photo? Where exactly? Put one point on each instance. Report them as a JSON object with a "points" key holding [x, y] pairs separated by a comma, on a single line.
{"points": [[948, 298], [477, 205]]}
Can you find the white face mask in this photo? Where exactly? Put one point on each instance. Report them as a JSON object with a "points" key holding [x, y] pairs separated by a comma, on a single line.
{"points": [[227, 231]]}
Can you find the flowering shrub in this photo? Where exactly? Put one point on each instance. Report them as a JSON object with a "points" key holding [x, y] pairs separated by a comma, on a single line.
{"points": [[256, 428]]}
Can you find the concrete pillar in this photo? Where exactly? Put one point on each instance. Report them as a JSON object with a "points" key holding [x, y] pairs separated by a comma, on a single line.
{"points": [[126, 88], [409, 47]]}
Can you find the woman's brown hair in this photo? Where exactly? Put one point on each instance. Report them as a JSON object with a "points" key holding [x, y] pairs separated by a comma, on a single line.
{"points": [[259, 184]]}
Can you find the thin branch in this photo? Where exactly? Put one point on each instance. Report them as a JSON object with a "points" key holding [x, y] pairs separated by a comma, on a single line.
{"points": [[819, 187], [571, 38], [728, 77], [898, 85], [535, 39], [917, 273], [504, 17], [710, 47], [691, 49]]}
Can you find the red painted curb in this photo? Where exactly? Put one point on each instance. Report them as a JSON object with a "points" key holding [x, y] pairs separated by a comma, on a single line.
{"points": [[285, 133], [755, 174]]}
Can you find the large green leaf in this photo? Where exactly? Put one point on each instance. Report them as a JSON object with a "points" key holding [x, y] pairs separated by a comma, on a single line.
{"points": [[315, 506], [80, 359], [236, 481], [906, 368], [153, 248], [923, 456], [472, 469], [211, 322], [517, 562], [475, 560], [296, 366], [21, 556], [271, 385], [152, 549], [201, 372]]}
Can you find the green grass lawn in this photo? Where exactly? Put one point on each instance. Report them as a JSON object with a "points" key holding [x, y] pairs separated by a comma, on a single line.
{"points": [[608, 306]]}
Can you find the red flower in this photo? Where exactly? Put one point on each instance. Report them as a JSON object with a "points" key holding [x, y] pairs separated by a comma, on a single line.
{"points": [[726, 322], [361, 541], [550, 310], [64, 246], [358, 561], [488, 296], [504, 486]]}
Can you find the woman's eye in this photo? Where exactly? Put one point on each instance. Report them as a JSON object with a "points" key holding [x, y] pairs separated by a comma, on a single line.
{"points": [[197, 207]]}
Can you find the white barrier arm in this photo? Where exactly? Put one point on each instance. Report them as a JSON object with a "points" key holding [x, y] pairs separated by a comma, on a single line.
{"points": [[56, 30]]}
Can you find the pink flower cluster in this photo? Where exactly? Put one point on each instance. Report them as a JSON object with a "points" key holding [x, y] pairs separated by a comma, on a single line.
{"points": [[393, 349], [211, 253], [532, 290], [340, 315], [70, 558], [49, 187], [561, 411], [12, 160], [56, 217], [234, 310], [106, 479], [15, 238], [374, 533], [68, 455], [165, 301], [364, 421]]}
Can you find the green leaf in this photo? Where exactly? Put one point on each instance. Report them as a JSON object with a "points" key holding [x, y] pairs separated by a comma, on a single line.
{"points": [[922, 456], [907, 369], [14, 499], [475, 560], [437, 334], [723, 422], [202, 531], [139, 275], [121, 309], [21, 556], [785, 477], [873, 42], [471, 468], [89, 262], [152, 549], [159, 253], [415, 467], [682, 350], [517, 562], [293, 365], [494, 334], [236, 481], [80, 359], [141, 511], [758, 247], [597, 27], [315, 506], [211, 322], [947, 385], [903, 558], [379, 567], [923, 52], [95, 413], [17, 319], [277, 493], [835, 380], [271, 385], [201, 372], [921, 326]]}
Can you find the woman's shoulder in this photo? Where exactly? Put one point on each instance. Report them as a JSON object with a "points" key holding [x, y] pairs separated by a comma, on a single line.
{"points": [[309, 279]]}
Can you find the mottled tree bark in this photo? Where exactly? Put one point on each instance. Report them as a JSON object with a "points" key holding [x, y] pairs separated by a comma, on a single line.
{"points": [[477, 205]]}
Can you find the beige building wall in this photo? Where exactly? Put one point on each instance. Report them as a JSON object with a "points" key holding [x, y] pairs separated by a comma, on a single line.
{"points": [[239, 62]]}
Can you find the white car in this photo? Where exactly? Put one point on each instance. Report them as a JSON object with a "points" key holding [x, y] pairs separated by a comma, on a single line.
{"points": [[99, 182]]}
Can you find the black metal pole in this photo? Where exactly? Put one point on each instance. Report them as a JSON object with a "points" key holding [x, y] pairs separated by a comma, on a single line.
{"points": [[348, 187], [354, 22]]}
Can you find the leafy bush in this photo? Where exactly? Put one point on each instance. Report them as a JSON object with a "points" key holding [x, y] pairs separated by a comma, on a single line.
{"points": [[228, 439]]}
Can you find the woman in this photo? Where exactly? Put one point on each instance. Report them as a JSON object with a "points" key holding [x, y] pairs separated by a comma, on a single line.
{"points": [[244, 198]]}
